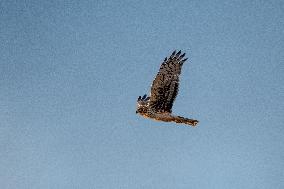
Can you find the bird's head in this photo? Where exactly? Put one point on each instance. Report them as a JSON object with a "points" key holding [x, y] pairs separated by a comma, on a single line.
{"points": [[142, 104]]}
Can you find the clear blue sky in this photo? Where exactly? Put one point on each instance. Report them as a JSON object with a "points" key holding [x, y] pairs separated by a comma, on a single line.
{"points": [[71, 71]]}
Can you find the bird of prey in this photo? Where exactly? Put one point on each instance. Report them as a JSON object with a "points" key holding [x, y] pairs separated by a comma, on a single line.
{"points": [[158, 105]]}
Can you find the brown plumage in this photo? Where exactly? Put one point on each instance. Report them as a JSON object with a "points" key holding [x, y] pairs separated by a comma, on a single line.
{"points": [[158, 105]]}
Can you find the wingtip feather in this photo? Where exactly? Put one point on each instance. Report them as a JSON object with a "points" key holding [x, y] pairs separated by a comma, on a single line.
{"points": [[179, 52]]}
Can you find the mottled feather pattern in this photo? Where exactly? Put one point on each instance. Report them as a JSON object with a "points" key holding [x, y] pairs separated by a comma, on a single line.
{"points": [[165, 86], [164, 90]]}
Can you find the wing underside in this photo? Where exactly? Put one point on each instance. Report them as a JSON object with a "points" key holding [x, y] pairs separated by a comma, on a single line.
{"points": [[165, 86]]}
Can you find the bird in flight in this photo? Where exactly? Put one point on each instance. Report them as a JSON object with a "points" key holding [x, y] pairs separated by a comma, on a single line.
{"points": [[158, 105]]}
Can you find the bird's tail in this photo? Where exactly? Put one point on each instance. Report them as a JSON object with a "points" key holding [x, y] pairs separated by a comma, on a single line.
{"points": [[179, 119]]}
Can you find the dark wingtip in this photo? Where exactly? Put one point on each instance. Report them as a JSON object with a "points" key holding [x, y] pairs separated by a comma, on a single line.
{"points": [[178, 52], [181, 56], [143, 98], [181, 62], [139, 98], [165, 59], [174, 52]]}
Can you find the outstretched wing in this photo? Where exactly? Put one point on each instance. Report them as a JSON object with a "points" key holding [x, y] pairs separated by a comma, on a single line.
{"points": [[165, 86]]}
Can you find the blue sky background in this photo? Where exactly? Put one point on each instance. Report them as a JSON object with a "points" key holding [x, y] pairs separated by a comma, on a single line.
{"points": [[71, 71]]}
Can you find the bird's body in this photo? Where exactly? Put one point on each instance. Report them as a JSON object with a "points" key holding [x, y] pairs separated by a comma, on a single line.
{"points": [[158, 105]]}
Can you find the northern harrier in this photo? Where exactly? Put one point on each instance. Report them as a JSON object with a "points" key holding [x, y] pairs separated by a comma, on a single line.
{"points": [[158, 105]]}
